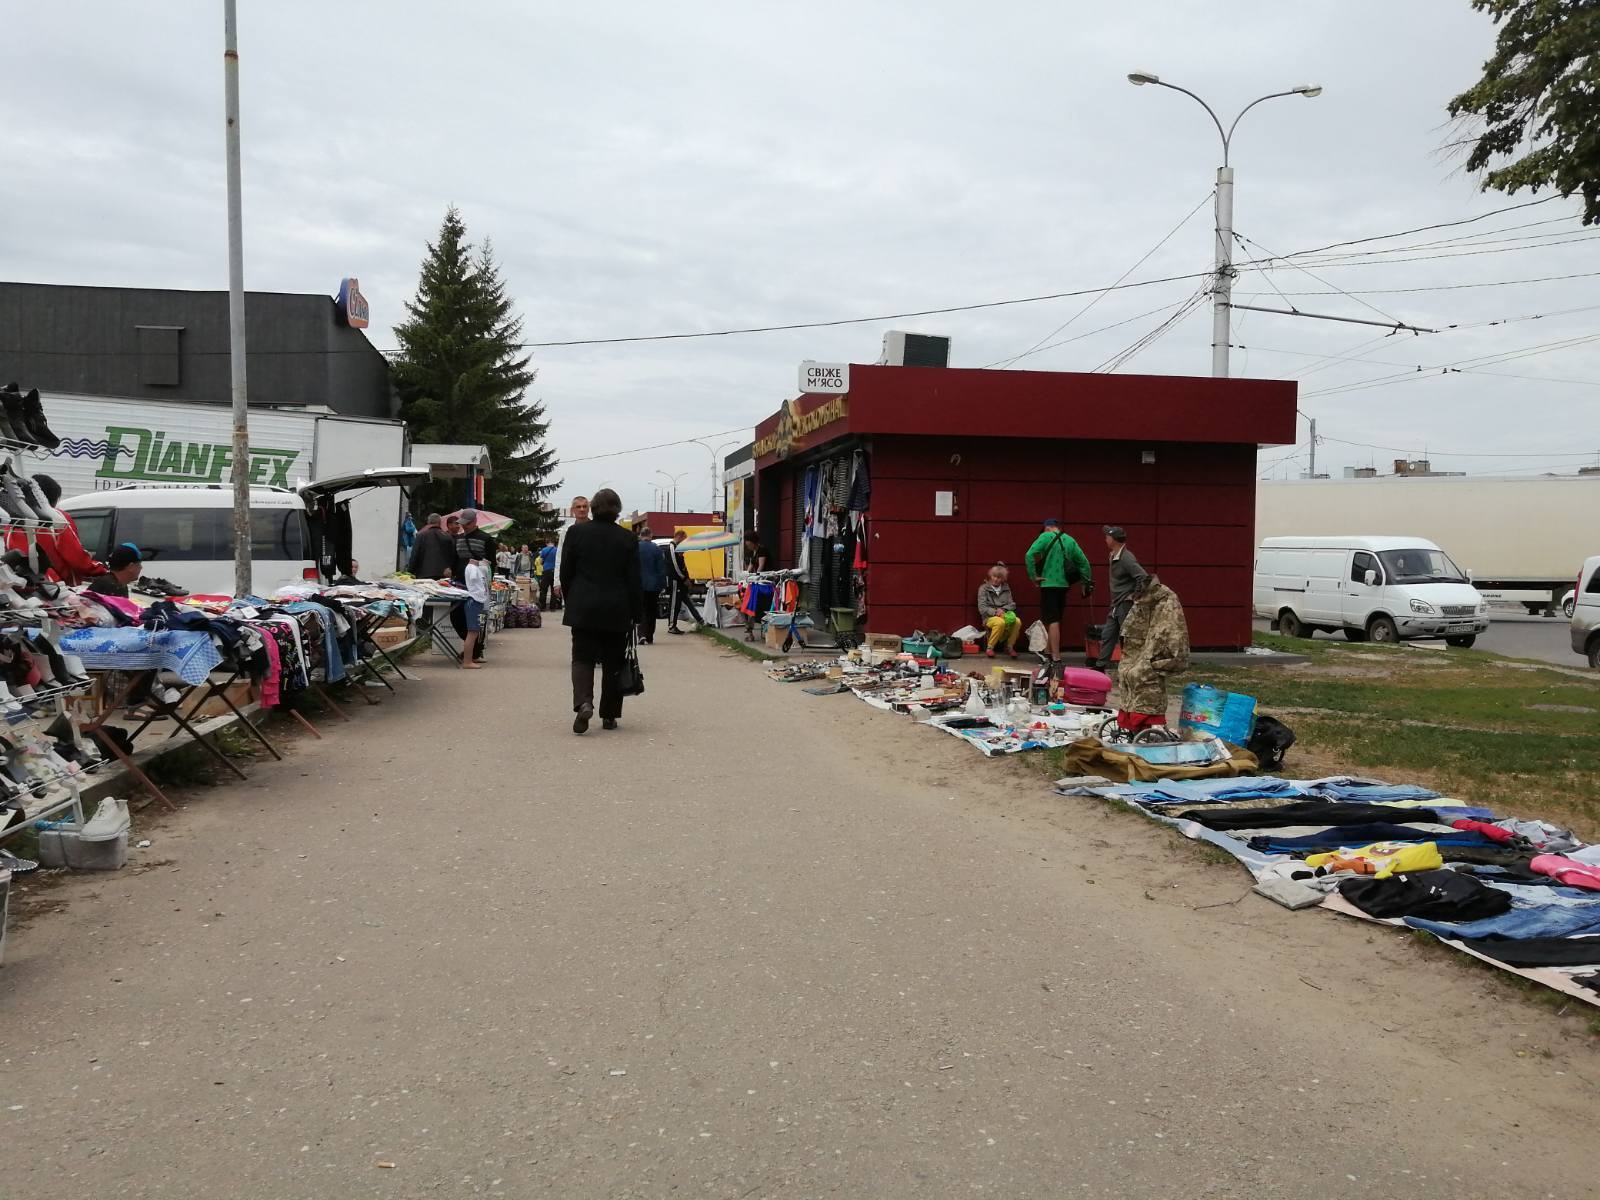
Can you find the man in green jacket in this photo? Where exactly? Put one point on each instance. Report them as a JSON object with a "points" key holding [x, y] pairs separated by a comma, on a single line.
{"points": [[1055, 562]]}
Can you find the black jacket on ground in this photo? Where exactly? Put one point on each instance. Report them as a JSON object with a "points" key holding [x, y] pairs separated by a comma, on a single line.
{"points": [[600, 577], [432, 554]]}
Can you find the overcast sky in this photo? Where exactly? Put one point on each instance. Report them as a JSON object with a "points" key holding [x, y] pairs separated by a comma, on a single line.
{"points": [[649, 168]]}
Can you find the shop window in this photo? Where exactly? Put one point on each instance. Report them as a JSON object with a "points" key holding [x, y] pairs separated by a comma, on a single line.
{"points": [[159, 364]]}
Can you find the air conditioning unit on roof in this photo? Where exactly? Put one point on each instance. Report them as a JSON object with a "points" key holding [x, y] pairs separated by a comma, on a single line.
{"points": [[914, 350]]}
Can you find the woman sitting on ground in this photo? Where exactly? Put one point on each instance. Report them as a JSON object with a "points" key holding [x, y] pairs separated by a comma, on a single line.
{"points": [[998, 610]]}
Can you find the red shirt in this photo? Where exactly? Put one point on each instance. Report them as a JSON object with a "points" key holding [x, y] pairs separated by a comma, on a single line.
{"points": [[69, 561]]}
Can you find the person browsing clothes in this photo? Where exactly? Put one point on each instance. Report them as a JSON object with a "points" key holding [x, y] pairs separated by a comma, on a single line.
{"points": [[998, 610], [433, 554], [124, 568], [477, 603], [1055, 562]]}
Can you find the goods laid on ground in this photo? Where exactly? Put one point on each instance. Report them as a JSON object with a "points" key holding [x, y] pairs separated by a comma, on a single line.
{"points": [[1522, 895], [1006, 710]]}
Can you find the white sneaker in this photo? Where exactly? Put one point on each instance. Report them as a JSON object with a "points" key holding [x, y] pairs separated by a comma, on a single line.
{"points": [[109, 821]]}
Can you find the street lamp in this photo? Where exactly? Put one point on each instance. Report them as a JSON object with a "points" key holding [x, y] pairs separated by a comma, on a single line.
{"points": [[1222, 290], [716, 459], [672, 494]]}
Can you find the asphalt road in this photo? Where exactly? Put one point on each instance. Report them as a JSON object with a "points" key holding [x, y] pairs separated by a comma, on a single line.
{"points": [[1517, 635], [754, 944]]}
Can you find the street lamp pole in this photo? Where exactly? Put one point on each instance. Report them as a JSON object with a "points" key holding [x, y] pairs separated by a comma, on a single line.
{"points": [[1222, 287], [716, 461], [672, 494]]}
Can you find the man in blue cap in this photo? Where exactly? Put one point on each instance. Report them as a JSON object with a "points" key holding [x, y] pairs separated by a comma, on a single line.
{"points": [[1055, 562]]}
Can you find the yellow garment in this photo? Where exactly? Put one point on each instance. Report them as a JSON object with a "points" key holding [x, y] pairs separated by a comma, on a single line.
{"points": [[1005, 628], [1381, 859]]}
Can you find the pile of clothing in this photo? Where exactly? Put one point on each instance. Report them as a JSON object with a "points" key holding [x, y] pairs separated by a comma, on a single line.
{"points": [[1523, 894]]}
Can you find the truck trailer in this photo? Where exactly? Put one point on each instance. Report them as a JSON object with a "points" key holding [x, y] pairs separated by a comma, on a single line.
{"points": [[1522, 541], [112, 442]]}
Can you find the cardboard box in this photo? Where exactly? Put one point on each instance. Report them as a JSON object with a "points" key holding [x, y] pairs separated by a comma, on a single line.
{"points": [[241, 692], [886, 643]]}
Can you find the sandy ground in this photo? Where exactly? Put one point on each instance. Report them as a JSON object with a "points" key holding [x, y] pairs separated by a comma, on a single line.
{"points": [[754, 944]]}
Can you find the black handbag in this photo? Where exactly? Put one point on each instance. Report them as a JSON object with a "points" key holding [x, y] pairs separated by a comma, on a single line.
{"points": [[632, 677]]}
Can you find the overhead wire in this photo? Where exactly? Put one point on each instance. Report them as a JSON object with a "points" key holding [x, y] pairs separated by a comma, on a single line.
{"points": [[1039, 346], [1433, 371], [1126, 355], [1126, 285]]}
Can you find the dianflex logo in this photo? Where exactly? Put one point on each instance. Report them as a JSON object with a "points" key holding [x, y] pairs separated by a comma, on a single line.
{"points": [[146, 454]]}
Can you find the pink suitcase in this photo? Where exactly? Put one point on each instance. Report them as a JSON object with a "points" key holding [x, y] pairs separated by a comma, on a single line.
{"points": [[1080, 685]]}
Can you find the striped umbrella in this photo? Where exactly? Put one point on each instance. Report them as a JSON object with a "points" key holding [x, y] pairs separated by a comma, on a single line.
{"points": [[713, 539]]}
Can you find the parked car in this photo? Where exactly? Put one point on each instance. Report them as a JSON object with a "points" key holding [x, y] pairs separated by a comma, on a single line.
{"points": [[1568, 603], [186, 533], [1380, 588], [1586, 612]]}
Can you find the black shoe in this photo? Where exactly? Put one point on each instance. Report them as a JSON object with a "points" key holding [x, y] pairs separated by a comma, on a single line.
{"points": [[608, 723], [157, 586], [580, 723], [676, 631], [16, 415], [33, 409]]}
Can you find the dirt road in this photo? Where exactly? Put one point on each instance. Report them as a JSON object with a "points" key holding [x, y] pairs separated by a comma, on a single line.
{"points": [[754, 944]]}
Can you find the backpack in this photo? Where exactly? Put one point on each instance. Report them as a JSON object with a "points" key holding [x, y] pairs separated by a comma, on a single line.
{"points": [[1269, 742]]}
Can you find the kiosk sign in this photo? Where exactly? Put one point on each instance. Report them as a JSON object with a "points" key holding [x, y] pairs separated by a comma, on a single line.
{"points": [[827, 378]]}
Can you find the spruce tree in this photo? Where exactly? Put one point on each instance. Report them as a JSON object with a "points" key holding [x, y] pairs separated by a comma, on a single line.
{"points": [[462, 377]]}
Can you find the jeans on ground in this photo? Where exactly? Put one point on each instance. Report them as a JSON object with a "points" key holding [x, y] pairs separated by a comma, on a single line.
{"points": [[606, 649], [1523, 921], [1007, 628]]}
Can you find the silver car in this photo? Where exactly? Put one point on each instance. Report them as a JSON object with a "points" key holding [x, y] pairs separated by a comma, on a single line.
{"points": [[1586, 613]]}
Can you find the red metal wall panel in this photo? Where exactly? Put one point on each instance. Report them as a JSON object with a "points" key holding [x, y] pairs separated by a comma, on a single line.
{"points": [[1190, 516]]}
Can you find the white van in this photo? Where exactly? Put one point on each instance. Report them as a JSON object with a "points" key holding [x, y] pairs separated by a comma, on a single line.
{"points": [[1378, 588], [186, 533], [1585, 612]]}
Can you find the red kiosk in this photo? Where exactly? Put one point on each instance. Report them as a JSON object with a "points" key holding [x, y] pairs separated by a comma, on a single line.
{"points": [[965, 465]]}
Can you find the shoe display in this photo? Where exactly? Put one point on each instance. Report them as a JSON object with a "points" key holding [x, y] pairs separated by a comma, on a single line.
{"points": [[165, 587], [110, 820], [16, 417], [33, 411]]}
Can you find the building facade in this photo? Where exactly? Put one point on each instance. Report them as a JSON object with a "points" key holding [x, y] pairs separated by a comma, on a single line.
{"points": [[157, 344], [960, 468]]}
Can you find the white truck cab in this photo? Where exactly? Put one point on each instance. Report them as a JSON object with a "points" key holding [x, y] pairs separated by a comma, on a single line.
{"points": [[1380, 588]]}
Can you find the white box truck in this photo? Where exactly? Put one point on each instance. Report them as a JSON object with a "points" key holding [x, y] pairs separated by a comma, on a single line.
{"points": [[109, 442], [1521, 540]]}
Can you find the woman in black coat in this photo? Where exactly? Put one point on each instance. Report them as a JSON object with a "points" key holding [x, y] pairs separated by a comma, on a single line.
{"points": [[600, 582]]}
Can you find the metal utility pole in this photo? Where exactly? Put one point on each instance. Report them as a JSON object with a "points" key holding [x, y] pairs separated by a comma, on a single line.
{"points": [[241, 405], [1313, 421], [1222, 287]]}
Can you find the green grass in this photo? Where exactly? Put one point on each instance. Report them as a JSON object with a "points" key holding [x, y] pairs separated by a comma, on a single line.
{"points": [[737, 645], [1461, 722]]}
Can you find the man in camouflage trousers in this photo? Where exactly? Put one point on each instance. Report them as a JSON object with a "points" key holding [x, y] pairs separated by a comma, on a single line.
{"points": [[1155, 646]]}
